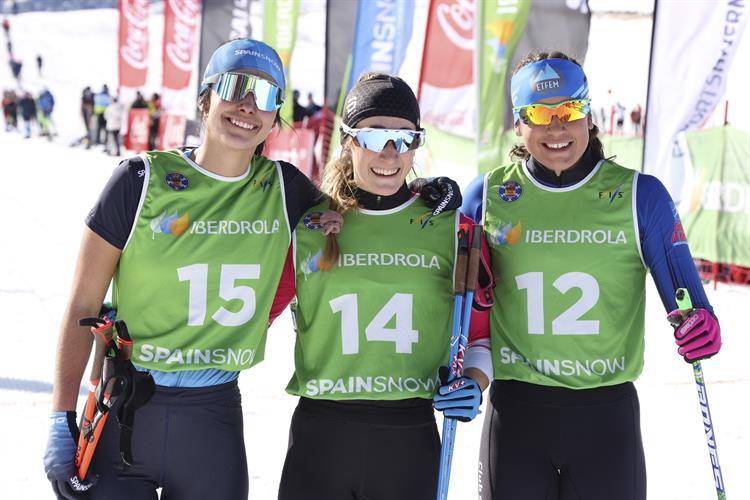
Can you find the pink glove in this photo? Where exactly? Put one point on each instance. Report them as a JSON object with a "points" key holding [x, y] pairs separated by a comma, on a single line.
{"points": [[698, 336]]}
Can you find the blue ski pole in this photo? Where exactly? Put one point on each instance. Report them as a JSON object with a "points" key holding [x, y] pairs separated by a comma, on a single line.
{"points": [[464, 286], [685, 306]]}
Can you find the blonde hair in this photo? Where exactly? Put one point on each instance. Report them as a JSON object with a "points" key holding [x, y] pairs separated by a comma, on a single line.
{"points": [[339, 185]]}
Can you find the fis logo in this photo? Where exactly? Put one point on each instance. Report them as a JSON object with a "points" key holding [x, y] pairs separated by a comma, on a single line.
{"points": [[612, 194], [423, 220], [264, 182], [174, 224], [507, 235]]}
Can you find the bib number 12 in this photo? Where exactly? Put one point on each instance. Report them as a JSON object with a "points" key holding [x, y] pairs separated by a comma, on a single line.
{"points": [[569, 322]]}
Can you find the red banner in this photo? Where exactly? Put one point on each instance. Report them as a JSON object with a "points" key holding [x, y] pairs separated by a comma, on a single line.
{"points": [[181, 19], [133, 42], [139, 125], [171, 131], [294, 146], [447, 94]]}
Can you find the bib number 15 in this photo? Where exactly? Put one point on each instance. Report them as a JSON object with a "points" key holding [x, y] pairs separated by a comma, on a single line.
{"points": [[569, 322], [197, 276], [399, 306]]}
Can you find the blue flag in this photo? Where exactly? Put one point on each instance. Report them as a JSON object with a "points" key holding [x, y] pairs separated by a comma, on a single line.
{"points": [[382, 33]]}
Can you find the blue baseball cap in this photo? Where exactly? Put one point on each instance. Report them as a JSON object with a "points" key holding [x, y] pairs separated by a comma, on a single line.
{"points": [[244, 54], [547, 78]]}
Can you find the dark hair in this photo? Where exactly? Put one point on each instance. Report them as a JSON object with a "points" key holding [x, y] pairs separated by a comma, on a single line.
{"points": [[519, 151]]}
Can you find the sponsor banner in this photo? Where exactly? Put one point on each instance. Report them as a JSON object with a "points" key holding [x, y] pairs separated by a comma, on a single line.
{"points": [[222, 20], [171, 131], [447, 94], [294, 146], [717, 218], [139, 126], [691, 53], [383, 31], [501, 24], [181, 20], [132, 50], [280, 32]]}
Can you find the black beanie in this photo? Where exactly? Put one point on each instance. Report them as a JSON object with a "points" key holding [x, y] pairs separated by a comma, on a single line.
{"points": [[381, 95]]}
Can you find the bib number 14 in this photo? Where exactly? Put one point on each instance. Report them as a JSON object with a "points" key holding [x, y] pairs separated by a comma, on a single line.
{"points": [[399, 306], [569, 322]]}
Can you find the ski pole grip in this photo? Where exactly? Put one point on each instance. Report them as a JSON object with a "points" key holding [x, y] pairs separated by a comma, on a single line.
{"points": [[474, 257], [684, 303], [462, 256]]}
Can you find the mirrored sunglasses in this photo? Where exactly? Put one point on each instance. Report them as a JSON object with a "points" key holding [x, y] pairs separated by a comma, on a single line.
{"points": [[566, 111], [234, 87], [376, 139]]}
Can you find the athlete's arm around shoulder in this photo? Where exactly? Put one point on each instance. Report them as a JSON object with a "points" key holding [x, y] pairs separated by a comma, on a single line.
{"points": [[473, 202], [299, 192], [664, 246]]}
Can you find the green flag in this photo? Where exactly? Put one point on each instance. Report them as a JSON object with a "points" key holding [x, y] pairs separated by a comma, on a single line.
{"points": [[500, 28], [280, 32]]}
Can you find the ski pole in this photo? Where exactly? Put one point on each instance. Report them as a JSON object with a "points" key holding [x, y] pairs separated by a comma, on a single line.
{"points": [[102, 330], [684, 307], [464, 296]]}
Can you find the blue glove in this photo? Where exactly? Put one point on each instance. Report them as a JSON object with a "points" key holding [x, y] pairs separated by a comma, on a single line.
{"points": [[438, 193], [459, 399], [59, 458]]}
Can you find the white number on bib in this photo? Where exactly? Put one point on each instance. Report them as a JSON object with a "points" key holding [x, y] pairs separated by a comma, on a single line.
{"points": [[197, 276], [566, 323], [399, 306]]}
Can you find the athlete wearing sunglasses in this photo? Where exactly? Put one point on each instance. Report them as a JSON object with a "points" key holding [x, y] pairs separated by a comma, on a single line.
{"points": [[345, 313], [536, 211]]}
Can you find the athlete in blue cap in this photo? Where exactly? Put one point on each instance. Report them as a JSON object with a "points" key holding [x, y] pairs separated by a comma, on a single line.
{"points": [[572, 235], [194, 241]]}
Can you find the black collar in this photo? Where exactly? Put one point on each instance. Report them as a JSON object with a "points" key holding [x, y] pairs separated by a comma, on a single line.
{"points": [[371, 201], [568, 177]]}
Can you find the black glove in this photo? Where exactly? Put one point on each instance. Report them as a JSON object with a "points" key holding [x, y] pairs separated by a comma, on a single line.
{"points": [[59, 459], [439, 193]]}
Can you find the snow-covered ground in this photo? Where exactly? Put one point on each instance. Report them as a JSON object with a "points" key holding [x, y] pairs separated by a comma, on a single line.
{"points": [[46, 191]]}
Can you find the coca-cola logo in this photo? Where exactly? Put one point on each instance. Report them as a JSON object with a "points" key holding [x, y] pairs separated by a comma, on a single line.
{"points": [[457, 22], [179, 49], [134, 50]]}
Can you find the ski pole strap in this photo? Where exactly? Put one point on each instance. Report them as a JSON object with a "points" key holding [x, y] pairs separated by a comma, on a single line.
{"points": [[459, 272], [474, 258]]}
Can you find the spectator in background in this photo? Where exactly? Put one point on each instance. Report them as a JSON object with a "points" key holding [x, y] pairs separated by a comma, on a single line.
{"points": [[299, 112], [15, 67], [10, 110], [45, 105], [635, 118], [87, 112], [101, 101], [113, 116], [154, 108], [28, 113], [6, 27], [312, 108], [39, 64], [139, 102], [620, 113]]}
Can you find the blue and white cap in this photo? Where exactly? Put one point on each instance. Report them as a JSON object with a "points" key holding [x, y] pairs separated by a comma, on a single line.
{"points": [[547, 78], [244, 54]]}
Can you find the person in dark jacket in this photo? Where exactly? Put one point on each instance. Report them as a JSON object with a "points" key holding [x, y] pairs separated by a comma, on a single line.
{"points": [[28, 112]]}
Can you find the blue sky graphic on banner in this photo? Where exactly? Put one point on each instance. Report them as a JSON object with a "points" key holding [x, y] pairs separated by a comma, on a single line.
{"points": [[382, 34]]}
